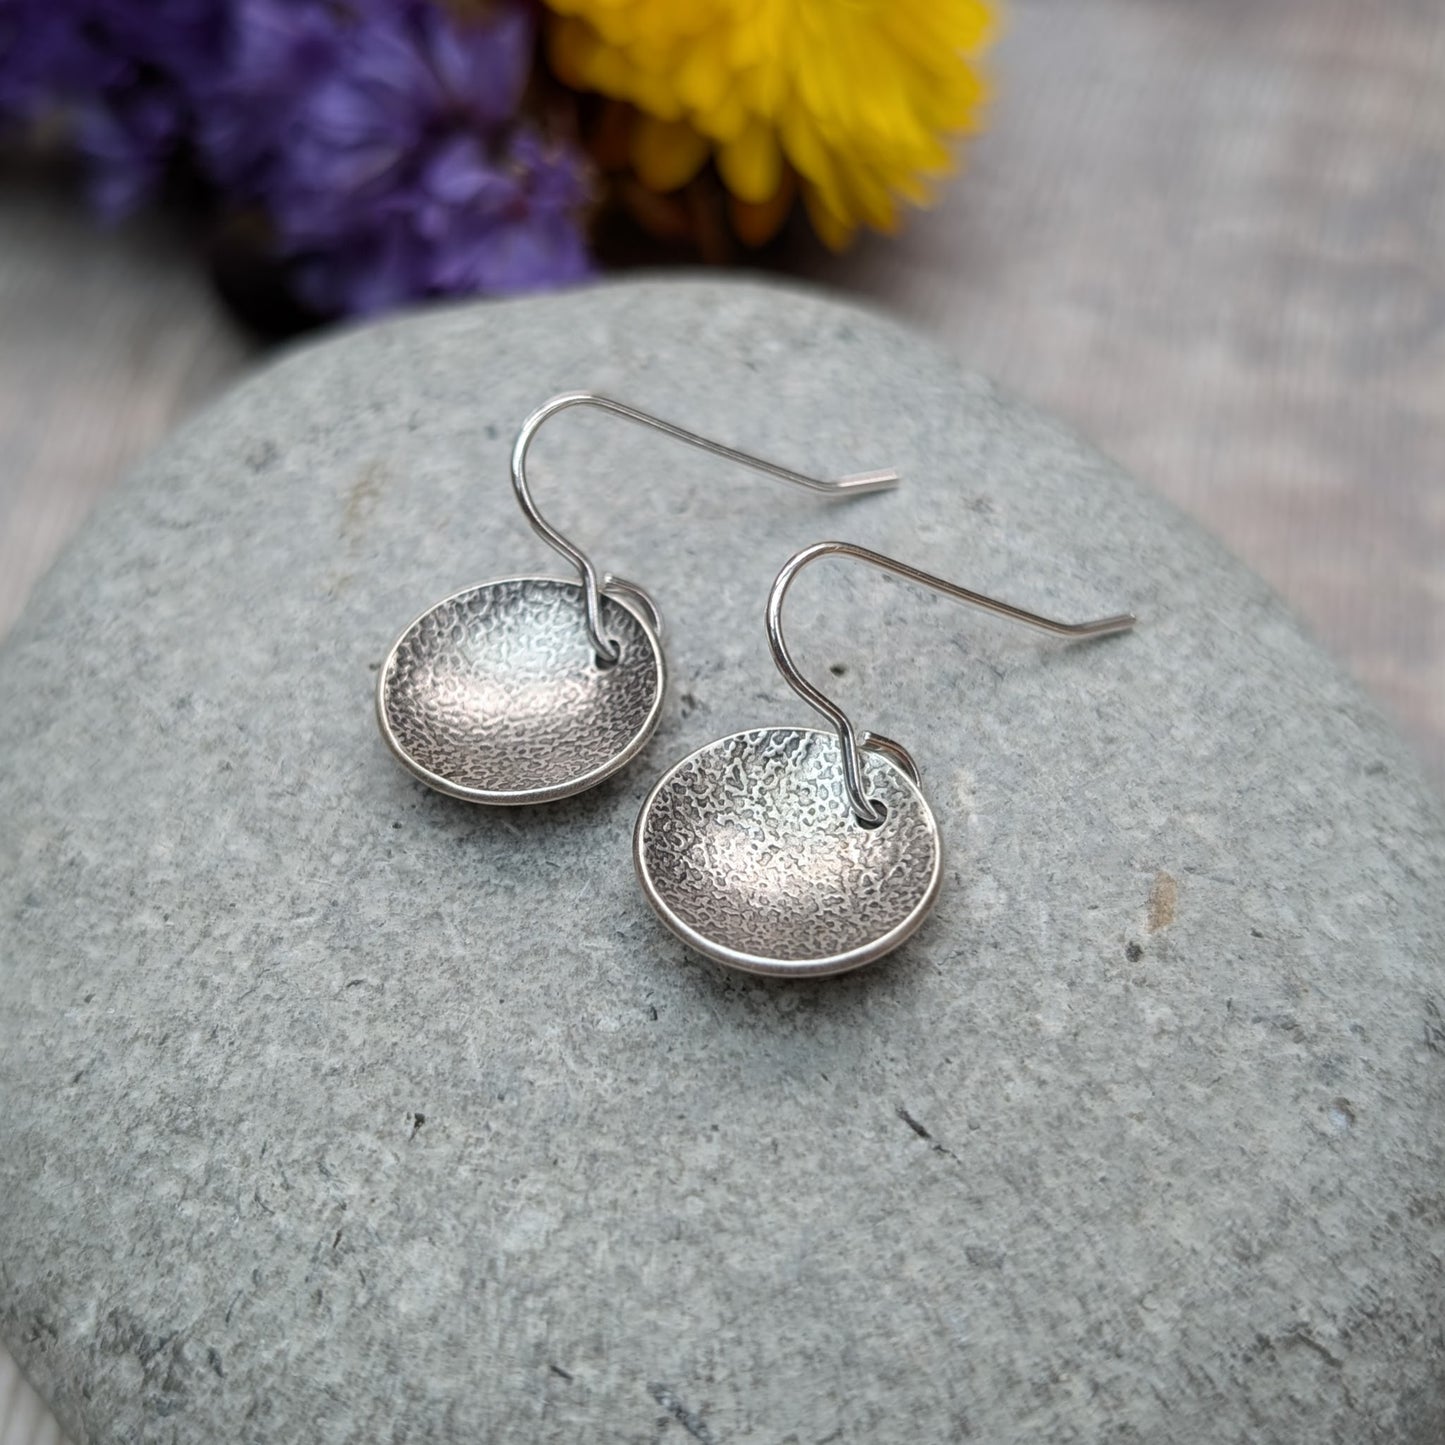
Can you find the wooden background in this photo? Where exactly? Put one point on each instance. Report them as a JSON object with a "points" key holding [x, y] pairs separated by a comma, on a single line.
{"points": [[1211, 233]]}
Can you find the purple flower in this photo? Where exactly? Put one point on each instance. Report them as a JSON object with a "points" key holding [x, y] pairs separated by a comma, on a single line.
{"points": [[45, 51], [380, 137], [389, 157], [131, 71]]}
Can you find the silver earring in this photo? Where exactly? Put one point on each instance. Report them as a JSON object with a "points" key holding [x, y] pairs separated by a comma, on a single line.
{"points": [[778, 850], [529, 689]]}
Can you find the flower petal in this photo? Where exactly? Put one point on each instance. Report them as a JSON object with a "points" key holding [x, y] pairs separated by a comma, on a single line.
{"points": [[667, 154], [752, 165]]}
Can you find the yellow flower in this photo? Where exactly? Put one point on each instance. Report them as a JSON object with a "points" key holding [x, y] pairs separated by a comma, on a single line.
{"points": [[858, 97]]}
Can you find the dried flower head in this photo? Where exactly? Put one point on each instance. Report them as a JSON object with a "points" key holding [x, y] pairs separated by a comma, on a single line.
{"points": [[384, 140], [858, 98]]}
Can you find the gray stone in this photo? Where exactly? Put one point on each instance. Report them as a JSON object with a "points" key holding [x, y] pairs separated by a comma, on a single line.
{"points": [[338, 1110]]}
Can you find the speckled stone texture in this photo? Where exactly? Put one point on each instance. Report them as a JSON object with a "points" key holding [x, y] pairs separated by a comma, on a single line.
{"points": [[338, 1110]]}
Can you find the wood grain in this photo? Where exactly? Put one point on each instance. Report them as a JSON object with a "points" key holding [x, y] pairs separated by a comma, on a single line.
{"points": [[1212, 235], [107, 339]]}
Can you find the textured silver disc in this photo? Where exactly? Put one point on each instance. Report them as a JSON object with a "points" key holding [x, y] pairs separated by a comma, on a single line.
{"points": [[495, 694], [749, 852]]}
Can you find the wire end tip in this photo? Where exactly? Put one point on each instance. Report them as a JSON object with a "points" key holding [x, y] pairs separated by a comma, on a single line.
{"points": [[883, 481]]}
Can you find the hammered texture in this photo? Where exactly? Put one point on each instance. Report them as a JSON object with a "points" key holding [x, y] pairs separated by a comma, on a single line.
{"points": [[751, 845], [497, 693]]}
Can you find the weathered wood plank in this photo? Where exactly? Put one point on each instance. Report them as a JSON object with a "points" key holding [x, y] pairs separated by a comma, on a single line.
{"points": [[1213, 236]]}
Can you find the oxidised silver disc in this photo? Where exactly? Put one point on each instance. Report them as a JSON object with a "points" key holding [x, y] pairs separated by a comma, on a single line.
{"points": [[749, 852], [495, 694]]}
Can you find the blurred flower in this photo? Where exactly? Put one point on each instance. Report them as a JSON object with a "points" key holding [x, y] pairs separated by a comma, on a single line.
{"points": [[129, 70], [42, 49], [857, 97], [167, 55], [382, 139]]}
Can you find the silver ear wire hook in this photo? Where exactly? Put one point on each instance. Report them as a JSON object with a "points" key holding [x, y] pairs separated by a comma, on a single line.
{"points": [[863, 807], [606, 648]]}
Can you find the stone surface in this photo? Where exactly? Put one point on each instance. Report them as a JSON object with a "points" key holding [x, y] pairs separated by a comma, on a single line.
{"points": [[338, 1110]]}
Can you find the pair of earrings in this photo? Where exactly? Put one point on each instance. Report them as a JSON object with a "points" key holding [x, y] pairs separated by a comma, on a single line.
{"points": [[779, 850]]}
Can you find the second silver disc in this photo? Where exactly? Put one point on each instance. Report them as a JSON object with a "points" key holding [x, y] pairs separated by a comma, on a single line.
{"points": [[750, 853]]}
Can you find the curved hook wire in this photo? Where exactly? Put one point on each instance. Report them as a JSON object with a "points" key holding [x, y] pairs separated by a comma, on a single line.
{"points": [[864, 808], [606, 648]]}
